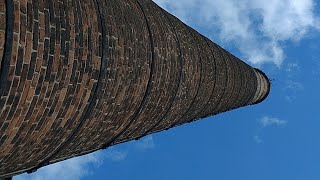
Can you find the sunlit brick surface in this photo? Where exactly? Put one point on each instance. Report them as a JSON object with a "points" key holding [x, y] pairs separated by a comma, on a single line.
{"points": [[79, 76]]}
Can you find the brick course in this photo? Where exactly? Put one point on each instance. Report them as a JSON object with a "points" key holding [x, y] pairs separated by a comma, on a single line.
{"points": [[79, 76]]}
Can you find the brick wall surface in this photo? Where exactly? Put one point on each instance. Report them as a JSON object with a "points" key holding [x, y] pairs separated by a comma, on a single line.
{"points": [[77, 76], [2, 28]]}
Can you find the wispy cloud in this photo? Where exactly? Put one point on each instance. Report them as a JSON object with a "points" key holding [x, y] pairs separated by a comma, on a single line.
{"points": [[145, 143], [266, 122], [315, 59], [115, 154], [257, 139], [292, 68], [291, 89], [80, 167], [257, 27], [75, 168], [290, 81], [271, 121], [316, 67], [293, 85]]}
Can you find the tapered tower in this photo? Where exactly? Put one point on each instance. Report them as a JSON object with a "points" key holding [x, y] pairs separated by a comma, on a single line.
{"points": [[82, 75]]}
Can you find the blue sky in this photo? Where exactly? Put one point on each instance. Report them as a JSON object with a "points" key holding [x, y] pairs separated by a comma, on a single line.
{"points": [[275, 140]]}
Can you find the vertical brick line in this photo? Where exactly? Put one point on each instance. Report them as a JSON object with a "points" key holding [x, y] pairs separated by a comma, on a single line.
{"points": [[236, 90], [208, 79], [257, 89], [218, 107], [178, 122], [189, 77], [261, 87], [219, 64], [213, 110], [149, 84], [107, 127], [247, 85], [2, 29], [250, 85], [226, 79], [93, 97], [268, 88], [225, 106], [184, 118], [243, 95], [264, 79], [7, 47], [179, 81], [215, 80]]}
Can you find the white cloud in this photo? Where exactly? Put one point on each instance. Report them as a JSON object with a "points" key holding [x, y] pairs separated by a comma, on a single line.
{"points": [[291, 89], [316, 67], [257, 27], [113, 154], [257, 139], [292, 68], [145, 143], [315, 60], [266, 122], [270, 121], [293, 85], [290, 98], [80, 167], [75, 168]]}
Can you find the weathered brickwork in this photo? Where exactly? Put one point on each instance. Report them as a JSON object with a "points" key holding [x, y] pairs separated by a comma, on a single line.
{"points": [[54, 66], [2, 28], [77, 76]]}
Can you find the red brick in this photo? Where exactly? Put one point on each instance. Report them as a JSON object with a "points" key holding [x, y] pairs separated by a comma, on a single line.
{"points": [[85, 76]]}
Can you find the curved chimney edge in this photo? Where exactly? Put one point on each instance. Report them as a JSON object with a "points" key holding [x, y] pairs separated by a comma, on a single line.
{"points": [[263, 87]]}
